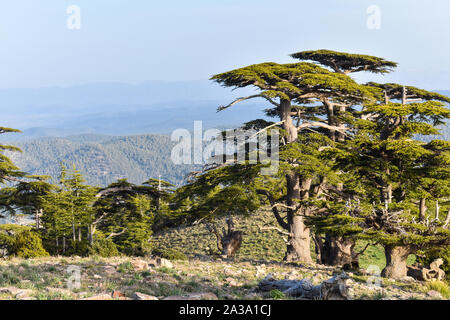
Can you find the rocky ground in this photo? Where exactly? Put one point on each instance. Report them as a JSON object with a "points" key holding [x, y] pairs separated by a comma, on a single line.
{"points": [[126, 278]]}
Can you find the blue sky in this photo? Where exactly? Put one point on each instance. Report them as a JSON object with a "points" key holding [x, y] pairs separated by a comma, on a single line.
{"points": [[140, 40]]}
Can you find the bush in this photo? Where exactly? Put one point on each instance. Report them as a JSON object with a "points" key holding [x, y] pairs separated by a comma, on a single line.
{"points": [[104, 248], [21, 241], [169, 254], [277, 294], [28, 244]]}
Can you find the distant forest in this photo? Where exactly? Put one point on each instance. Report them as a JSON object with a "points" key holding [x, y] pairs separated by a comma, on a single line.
{"points": [[103, 159]]}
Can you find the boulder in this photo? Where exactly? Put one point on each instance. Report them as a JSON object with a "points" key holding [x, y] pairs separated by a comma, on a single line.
{"points": [[140, 265], [161, 262]]}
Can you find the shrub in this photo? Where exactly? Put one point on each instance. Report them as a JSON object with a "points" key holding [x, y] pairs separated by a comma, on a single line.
{"points": [[104, 248], [169, 254], [28, 244], [277, 294]]}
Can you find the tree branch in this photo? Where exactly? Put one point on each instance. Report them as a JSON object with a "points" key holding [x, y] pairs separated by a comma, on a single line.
{"points": [[247, 98], [275, 211]]}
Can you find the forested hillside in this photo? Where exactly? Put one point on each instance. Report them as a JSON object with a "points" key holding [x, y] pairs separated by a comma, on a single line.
{"points": [[103, 159]]}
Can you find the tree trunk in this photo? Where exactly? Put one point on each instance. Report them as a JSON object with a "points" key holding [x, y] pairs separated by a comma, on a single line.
{"points": [[91, 231], [299, 241], [36, 212], [396, 261], [228, 243], [298, 247], [422, 209], [338, 251]]}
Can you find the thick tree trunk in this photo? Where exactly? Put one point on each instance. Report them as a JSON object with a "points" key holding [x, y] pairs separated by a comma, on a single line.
{"points": [[299, 240], [396, 261], [338, 251], [298, 248]]}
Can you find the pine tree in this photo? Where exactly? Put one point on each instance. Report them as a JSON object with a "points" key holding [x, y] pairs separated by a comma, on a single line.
{"points": [[125, 213], [26, 197], [8, 171], [390, 176], [68, 211], [294, 91]]}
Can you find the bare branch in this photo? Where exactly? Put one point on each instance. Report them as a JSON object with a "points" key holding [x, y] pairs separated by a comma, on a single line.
{"points": [[115, 234], [247, 98]]}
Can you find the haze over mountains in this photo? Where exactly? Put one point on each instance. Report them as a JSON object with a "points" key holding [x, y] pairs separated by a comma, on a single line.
{"points": [[112, 131], [120, 109]]}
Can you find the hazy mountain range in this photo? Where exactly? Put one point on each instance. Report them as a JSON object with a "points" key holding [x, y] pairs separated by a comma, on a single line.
{"points": [[113, 131], [120, 109], [103, 159]]}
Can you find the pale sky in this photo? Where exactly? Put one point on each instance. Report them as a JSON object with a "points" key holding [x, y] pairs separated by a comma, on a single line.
{"points": [[133, 41]]}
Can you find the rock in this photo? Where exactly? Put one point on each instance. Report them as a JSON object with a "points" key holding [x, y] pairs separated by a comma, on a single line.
{"points": [[143, 296], [17, 292], [110, 270], [103, 296], [10, 290], [161, 262], [434, 294], [231, 282], [140, 265], [194, 296], [24, 294]]}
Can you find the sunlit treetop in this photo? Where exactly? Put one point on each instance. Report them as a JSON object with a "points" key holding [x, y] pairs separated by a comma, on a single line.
{"points": [[395, 91], [346, 63], [292, 81]]}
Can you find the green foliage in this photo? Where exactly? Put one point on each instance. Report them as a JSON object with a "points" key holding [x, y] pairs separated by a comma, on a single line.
{"points": [[28, 244], [68, 212], [440, 287], [21, 241], [7, 168], [277, 294], [104, 248], [169, 254], [347, 62], [103, 161]]}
